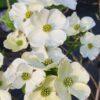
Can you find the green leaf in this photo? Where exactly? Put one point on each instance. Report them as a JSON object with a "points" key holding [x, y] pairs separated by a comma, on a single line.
{"points": [[73, 43], [52, 71], [23, 89], [6, 20], [60, 7]]}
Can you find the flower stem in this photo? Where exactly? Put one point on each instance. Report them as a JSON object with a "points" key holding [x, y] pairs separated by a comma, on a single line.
{"points": [[8, 4], [66, 11]]}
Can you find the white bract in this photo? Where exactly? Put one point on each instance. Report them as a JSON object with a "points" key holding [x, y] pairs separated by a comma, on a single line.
{"points": [[5, 95], [48, 28], [3, 82], [90, 45], [30, 1], [16, 41], [67, 3], [1, 59], [45, 3], [77, 25], [72, 80], [24, 74], [42, 57], [45, 92]]}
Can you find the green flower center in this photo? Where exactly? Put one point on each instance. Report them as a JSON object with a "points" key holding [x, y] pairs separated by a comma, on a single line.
{"points": [[47, 28], [48, 61], [77, 27], [28, 14], [1, 83], [68, 82], [46, 91], [19, 42], [26, 76], [90, 45]]}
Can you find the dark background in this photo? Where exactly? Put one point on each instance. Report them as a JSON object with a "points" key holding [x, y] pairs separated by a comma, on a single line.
{"points": [[84, 8]]}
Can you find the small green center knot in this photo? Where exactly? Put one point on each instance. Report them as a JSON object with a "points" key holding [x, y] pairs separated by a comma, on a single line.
{"points": [[90, 45], [77, 27], [1, 83], [46, 91], [28, 14], [48, 61], [68, 82], [26, 76], [19, 42], [47, 28]]}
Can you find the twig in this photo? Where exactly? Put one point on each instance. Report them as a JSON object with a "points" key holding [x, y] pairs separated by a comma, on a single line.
{"points": [[8, 4], [97, 93], [95, 83], [92, 96], [84, 2], [99, 7], [64, 49], [66, 11], [98, 12]]}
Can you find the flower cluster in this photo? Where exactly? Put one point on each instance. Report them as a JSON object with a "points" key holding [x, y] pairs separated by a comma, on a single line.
{"points": [[45, 73]]}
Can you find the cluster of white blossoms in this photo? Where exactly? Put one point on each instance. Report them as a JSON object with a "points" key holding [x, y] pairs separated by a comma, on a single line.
{"points": [[44, 30]]}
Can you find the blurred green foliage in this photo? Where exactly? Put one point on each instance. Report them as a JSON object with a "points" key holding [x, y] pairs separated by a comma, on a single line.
{"points": [[6, 20], [3, 3]]}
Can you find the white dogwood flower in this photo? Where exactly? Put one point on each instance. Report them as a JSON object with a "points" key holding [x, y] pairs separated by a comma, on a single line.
{"points": [[16, 41], [22, 12], [72, 80], [77, 25], [11, 70], [45, 92], [90, 45], [20, 74], [19, 12], [20, 15], [48, 28], [67, 3], [5, 95], [42, 57], [1, 59]]}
